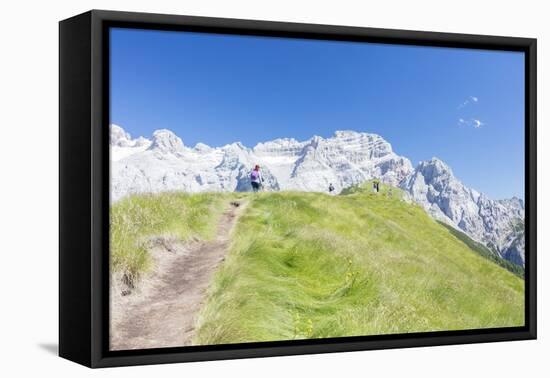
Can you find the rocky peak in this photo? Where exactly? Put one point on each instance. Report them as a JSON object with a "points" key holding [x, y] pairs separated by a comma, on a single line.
{"points": [[141, 141], [166, 141], [285, 146], [236, 151], [513, 203], [434, 169], [345, 134], [119, 137], [201, 147]]}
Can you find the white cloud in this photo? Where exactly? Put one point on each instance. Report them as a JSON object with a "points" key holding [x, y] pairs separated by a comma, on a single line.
{"points": [[477, 123], [470, 122], [473, 122], [470, 99]]}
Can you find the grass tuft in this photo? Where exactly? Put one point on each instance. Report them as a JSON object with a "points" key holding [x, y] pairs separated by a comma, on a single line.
{"points": [[136, 219]]}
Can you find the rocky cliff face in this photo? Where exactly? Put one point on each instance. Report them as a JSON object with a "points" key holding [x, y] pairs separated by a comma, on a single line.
{"points": [[345, 159], [498, 224], [164, 163]]}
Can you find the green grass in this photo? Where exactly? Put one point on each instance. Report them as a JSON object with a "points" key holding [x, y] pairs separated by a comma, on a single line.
{"points": [[134, 220], [309, 265], [367, 188], [475, 246], [518, 270]]}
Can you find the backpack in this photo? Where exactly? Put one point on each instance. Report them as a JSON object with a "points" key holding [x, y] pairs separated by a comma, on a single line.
{"points": [[254, 175]]}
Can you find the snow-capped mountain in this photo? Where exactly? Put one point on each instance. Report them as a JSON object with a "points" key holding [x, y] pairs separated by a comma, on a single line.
{"points": [[123, 145], [164, 163], [345, 159], [496, 223]]}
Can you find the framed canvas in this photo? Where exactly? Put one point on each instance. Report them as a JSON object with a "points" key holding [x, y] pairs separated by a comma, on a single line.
{"points": [[236, 188]]}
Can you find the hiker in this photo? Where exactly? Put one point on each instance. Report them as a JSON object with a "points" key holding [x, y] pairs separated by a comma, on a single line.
{"points": [[330, 188], [256, 178], [376, 186]]}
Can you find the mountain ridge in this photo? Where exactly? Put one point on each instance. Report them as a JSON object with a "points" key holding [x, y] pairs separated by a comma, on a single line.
{"points": [[347, 158]]}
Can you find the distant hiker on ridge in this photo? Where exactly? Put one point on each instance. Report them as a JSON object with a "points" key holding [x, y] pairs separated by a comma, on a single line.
{"points": [[376, 186], [330, 188], [256, 178]]}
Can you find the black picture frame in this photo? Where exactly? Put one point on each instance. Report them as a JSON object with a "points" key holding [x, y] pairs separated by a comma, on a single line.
{"points": [[84, 187]]}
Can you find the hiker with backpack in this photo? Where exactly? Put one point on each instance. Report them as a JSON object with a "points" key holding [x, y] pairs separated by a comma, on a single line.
{"points": [[330, 188], [256, 178]]}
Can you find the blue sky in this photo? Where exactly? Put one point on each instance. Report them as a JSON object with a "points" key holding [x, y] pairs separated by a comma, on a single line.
{"points": [[464, 106]]}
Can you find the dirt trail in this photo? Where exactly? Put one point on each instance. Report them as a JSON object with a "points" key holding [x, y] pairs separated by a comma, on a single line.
{"points": [[164, 314]]}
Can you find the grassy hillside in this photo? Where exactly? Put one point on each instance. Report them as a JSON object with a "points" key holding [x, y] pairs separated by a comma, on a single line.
{"points": [[482, 250], [475, 246], [136, 219], [309, 265]]}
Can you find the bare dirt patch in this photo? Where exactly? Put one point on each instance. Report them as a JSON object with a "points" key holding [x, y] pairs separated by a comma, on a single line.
{"points": [[163, 310]]}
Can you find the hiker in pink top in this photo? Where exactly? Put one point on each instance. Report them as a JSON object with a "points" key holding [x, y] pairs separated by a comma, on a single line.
{"points": [[256, 178]]}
